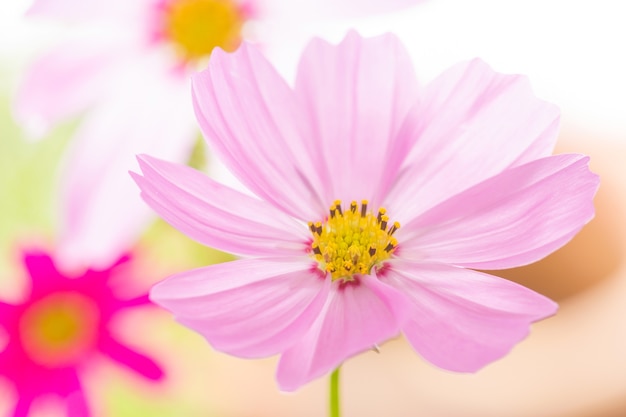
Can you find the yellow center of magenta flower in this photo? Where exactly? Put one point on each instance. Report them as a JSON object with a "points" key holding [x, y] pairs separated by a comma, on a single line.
{"points": [[56, 330], [352, 241], [198, 26]]}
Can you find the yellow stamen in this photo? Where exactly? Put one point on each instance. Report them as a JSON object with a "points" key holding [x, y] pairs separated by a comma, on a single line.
{"points": [[353, 242], [198, 26]]}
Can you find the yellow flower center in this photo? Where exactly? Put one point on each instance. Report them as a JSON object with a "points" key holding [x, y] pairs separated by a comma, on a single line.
{"points": [[56, 330], [198, 26], [352, 241]]}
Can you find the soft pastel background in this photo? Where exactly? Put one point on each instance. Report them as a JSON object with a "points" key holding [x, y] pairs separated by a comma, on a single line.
{"points": [[573, 365]]}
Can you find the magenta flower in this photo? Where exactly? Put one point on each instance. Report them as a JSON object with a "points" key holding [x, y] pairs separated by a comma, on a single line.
{"points": [[129, 71], [424, 185], [61, 326]]}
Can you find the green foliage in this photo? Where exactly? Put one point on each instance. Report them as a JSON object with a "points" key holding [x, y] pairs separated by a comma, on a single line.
{"points": [[28, 174]]}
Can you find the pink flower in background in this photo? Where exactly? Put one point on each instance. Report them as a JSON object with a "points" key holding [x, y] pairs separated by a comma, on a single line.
{"points": [[424, 185], [128, 72], [62, 325]]}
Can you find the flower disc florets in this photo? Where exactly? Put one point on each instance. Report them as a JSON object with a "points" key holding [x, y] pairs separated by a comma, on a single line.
{"points": [[352, 241], [198, 26], [59, 329]]}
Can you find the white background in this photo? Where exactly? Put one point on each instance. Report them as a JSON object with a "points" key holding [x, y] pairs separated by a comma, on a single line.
{"points": [[573, 51]]}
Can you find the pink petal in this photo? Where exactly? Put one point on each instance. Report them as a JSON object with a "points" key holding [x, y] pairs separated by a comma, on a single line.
{"points": [[216, 215], [64, 82], [462, 320], [101, 214], [248, 308], [42, 271], [6, 317], [250, 117], [133, 360], [22, 406], [76, 404], [356, 317], [471, 124], [512, 219], [357, 95], [135, 302], [86, 11]]}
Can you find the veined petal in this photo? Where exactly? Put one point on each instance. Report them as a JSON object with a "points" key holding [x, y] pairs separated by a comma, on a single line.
{"points": [[249, 308], [357, 95], [250, 117], [356, 317], [216, 215], [512, 219], [462, 320], [101, 214], [471, 124]]}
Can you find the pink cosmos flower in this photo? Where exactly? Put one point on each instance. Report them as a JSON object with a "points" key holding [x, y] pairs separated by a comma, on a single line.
{"points": [[59, 328], [130, 71], [424, 184]]}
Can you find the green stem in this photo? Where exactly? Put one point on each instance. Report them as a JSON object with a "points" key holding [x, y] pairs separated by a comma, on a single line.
{"points": [[334, 394]]}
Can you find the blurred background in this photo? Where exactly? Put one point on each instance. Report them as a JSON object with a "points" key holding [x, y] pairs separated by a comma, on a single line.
{"points": [[572, 365]]}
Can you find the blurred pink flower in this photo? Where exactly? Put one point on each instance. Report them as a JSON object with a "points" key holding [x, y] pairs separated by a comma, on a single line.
{"points": [[62, 325], [129, 71], [463, 164]]}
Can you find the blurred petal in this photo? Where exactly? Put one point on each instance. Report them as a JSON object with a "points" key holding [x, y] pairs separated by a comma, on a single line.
{"points": [[135, 302], [89, 10], [42, 271], [6, 314], [64, 82], [22, 406], [356, 317], [471, 124], [250, 117], [369, 86], [216, 215], [101, 212], [249, 308], [462, 320], [512, 219], [77, 404], [133, 360]]}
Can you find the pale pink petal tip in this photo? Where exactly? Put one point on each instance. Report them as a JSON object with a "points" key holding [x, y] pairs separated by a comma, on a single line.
{"points": [[249, 308], [462, 320], [62, 83], [509, 220], [216, 215], [470, 120]]}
